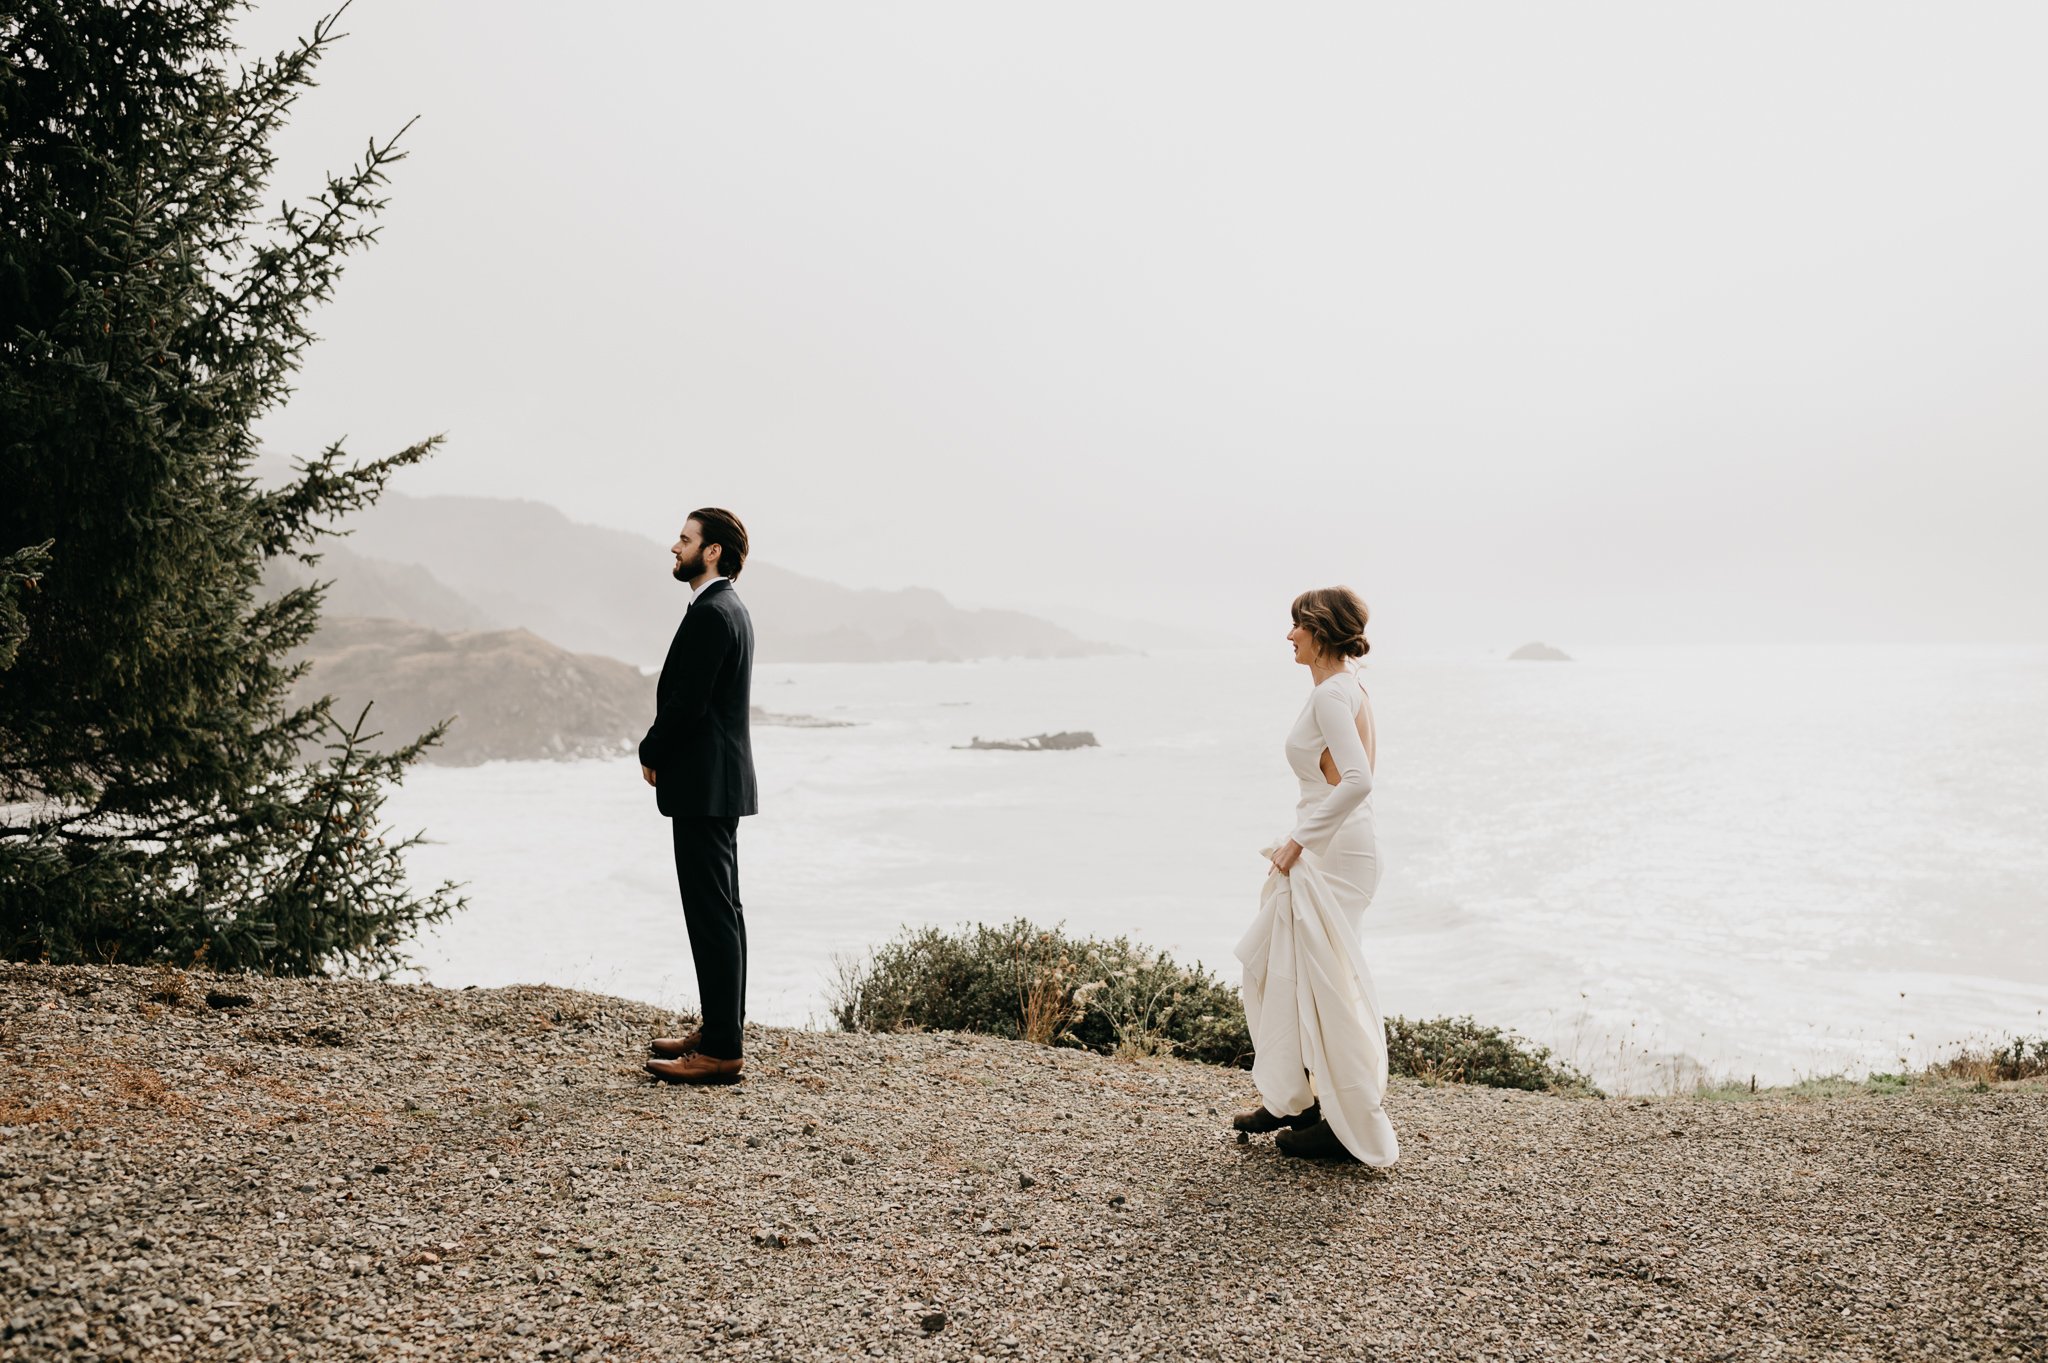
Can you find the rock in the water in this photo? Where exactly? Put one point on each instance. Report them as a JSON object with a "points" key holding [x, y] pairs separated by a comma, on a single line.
{"points": [[1539, 653], [1059, 742], [782, 721]]}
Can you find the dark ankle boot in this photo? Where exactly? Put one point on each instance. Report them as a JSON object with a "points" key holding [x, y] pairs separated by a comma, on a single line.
{"points": [[1258, 1121], [1314, 1142]]}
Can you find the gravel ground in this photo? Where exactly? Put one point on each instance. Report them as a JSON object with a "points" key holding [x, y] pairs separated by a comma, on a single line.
{"points": [[212, 1167]]}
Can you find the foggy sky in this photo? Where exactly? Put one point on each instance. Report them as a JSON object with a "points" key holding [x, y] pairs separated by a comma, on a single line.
{"points": [[1593, 323]]}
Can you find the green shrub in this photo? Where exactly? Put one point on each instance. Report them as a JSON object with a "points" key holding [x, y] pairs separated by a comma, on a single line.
{"points": [[1459, 1050], [1115, 998], [2020, 1058], [2017, 1058], [1035, 984]]}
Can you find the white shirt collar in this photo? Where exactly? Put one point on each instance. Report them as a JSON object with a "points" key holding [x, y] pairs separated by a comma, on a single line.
{"points": [[709, 583]]}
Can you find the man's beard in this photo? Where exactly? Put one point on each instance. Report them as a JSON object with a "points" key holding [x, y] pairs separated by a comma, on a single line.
{"points": [[690, 567]]}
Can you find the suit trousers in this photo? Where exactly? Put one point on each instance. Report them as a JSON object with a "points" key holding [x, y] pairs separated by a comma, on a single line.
{"points": [[708, 874]]}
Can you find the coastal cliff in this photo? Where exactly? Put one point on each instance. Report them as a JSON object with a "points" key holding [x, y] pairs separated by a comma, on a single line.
{"points": [[512, 695], [213, 1167]]}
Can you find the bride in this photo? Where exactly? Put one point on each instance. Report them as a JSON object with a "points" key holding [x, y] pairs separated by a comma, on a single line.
{"points": [[1319, 1043]]}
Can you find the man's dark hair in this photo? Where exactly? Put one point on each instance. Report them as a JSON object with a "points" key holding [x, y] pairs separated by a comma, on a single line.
{"points": [[723, 529]]}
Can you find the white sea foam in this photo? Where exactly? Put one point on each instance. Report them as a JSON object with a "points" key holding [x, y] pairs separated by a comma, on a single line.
{"points": [[1768, 861]]}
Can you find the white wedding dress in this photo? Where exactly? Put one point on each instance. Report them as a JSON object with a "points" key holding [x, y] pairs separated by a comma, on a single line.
{"points": [[1315, 1018]]}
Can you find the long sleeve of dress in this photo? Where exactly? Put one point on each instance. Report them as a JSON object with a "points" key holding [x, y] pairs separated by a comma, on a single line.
{"points": [[1339, 728]]}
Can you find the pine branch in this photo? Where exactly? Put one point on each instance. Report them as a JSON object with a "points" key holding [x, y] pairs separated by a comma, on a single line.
{"points": [[19, 571], [325, 489], [308, 261]]}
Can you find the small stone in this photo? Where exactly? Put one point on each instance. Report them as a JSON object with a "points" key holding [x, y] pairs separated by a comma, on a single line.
{"points": [[754, 1142], [1026, 1181], [380, 1168], [1116, 1200], [933, 1322]]}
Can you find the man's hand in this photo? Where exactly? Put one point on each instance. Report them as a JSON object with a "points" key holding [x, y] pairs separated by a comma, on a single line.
{"points": [[647, 772], [1284, 859]]}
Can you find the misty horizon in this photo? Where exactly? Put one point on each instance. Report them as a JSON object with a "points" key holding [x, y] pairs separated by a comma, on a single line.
{"points": [[1092, 625], [1593, 325]]}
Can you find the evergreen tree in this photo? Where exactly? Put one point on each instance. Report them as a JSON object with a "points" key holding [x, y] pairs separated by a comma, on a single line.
{"points": [[154, 800], [22, 568]]}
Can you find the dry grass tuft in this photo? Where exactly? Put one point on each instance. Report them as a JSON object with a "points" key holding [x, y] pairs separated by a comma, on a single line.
{"points": [[1045, 989], [170, 986], [18, 1110], [1142, 1044], [1434, 1070], [104, 1091], [138, 1087]]}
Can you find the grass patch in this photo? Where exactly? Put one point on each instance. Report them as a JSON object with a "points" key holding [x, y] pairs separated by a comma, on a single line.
{"points": [[1976, 1067]]}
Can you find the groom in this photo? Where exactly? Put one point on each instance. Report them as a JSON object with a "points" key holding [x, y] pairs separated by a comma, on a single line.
{"points": [[700, 761]]}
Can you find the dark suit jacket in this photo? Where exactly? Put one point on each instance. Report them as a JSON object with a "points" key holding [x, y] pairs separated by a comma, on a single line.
{"points": [[699, 747]]}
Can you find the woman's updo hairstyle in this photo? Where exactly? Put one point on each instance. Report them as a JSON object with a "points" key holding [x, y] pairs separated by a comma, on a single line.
{"points": [[1335, 618]]}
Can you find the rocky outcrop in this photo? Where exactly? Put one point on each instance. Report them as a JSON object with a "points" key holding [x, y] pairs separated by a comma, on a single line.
{"points": [[513, 695], [773, 719], [1539, 653], [1059, 742]]}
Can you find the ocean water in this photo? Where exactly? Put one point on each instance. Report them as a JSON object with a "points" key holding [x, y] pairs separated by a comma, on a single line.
{"points": [[1769, 862]]}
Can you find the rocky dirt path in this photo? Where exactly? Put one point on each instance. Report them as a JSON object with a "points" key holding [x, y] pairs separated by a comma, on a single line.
{"points": [[321, 1170]]}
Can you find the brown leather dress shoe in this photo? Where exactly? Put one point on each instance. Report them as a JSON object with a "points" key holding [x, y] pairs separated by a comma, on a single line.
{"points": [[1259, 1121], [675, 1047], [1314, 1142], [697, 1068]]}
